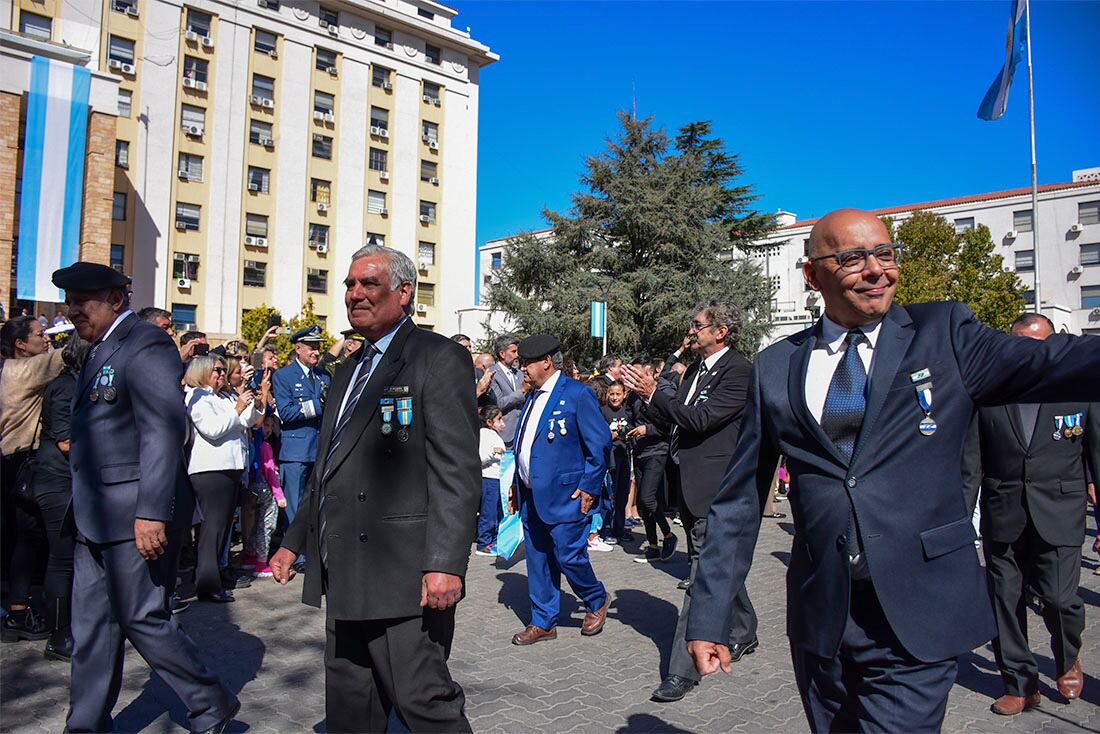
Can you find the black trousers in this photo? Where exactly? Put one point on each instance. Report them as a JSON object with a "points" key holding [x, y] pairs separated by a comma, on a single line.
{"points": [[620, 485], [373, 667], [52, 494], [216, 492], [1054, 572], [872, 684], [649, 474], [24, 534]]}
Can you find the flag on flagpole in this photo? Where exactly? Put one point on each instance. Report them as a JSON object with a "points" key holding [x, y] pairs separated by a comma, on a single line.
{"points": [[53, 176], [996, 99], [598, 320]]}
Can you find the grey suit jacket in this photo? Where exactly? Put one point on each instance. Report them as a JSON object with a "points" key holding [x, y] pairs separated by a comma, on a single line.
{"points": [[508, 399]]}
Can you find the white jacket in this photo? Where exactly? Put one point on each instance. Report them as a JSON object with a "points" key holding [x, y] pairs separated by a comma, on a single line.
{"points": [[221, 435]]}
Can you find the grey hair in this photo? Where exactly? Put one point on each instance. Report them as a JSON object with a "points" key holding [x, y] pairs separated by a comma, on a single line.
{"points": [[557, 359], [400, 267], [723, 313], [504, 341]]}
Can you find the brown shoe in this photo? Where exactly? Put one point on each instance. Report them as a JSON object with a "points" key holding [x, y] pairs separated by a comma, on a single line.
{"points": [[532, 634], [1008, 705], [1072, 681], [594, 621]]}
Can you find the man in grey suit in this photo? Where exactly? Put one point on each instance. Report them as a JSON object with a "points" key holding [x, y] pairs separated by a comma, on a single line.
{"points": [[131, 503], [507, 385]]}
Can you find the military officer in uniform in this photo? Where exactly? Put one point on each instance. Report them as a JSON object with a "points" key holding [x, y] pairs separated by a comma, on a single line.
{"points": [[131, 504], [300, 390]]}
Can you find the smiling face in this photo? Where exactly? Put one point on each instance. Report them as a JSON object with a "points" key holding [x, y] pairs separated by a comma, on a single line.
{"points": [[308, 353], [373, 307], [93, 312], [537, 371], [616, 394]]}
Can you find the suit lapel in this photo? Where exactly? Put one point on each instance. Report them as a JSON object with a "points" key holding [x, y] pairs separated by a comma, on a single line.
{"points": [[895, 334], [551, 401], [711, 375], [101, 353], [341, 379], [1012, 413], [796, 393], [687, 379]]}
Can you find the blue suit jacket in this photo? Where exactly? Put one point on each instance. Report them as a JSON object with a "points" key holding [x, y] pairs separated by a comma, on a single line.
{"points": [[576, 460], [300, 407], [906, 488]]}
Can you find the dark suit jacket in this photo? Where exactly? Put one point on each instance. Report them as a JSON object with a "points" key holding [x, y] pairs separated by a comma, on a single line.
{"points": [[394, 509], [1043, 480], [126, 455], [906, 487], [707, 429]]}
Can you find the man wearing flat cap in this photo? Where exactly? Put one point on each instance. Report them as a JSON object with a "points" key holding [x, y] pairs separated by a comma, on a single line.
{"points": [[300, 389], [131, 503], [562, 445]]}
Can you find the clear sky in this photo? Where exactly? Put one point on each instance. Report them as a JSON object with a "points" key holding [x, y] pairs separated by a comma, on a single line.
{"points": [[830, 104]]}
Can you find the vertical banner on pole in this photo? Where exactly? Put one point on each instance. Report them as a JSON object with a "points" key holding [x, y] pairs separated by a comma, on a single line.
{"points": [[599, 319]]}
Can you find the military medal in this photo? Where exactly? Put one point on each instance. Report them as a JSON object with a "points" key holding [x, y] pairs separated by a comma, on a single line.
{"points": [[1067, 431], [110, 394], [561, 426], [404, 417], [1077, 429], [1058, 428], [94, 395], [550, 431], [924, 397], [386, 407]]}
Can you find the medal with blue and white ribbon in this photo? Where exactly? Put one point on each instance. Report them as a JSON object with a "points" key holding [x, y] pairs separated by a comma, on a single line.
{"points": [[404, 417], [386, 407], [1068, 430], [1077, 429], [924, 396], [1058, 421]]}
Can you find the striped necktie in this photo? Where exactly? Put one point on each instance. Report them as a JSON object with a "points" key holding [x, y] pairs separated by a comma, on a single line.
{"points": [[842, 415]]}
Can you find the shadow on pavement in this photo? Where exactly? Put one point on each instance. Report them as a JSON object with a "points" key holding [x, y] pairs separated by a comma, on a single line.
{"points": [[649, 722], [647, 615]]}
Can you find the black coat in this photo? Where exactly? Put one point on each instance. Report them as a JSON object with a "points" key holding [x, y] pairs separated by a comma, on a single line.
{"points": [[1044, 480], [394, 509]]}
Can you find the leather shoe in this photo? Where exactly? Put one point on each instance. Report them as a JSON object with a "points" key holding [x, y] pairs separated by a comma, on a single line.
{"points": [[684, 585], [533, 633], [594, 621], [673, 688], [220, 726], [1072, 681], [1009, 705], [222, 597], [741, 649]]}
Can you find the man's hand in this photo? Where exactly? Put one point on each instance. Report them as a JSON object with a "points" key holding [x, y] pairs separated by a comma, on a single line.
{"points": [[440, 590], [483, 384], [587, 500], [636, 432], [637, 380], [513, 501], [709, 656], [282, 565], [187, 351], [1092, 494], [247, 370], [271, 333], [150, 538], [687, 344]]}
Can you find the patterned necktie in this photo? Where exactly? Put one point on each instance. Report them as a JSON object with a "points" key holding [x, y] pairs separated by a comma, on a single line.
{"points": [[842, 415], [342, 420]]}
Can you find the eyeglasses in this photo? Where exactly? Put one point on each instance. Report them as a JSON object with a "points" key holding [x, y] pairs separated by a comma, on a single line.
{"points": [[696, 326], [220, 369], [888, 256]]}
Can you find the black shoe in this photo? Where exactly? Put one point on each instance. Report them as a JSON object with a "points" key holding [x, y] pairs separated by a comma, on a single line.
{"points": [[220, 726], [626, 538], [24, 624], [650, 555], [177, 605], [684, 585], [609, 539], [235, 581], [59, 647], [222, 597], [741, 649], [668, 547], [673, 688]]}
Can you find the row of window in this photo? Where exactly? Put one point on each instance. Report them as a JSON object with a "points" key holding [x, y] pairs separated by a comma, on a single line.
{"points": [[1088, 212]]}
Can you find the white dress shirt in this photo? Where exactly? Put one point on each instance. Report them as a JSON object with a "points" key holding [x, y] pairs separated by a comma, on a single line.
{"points": [[381, 346], [826, 356], [115, 323], [704, 369], [531, 431]]}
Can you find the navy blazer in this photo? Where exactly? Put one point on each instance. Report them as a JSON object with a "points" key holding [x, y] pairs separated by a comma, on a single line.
{"points": [[126, 455], [906, 487], [300, 406]]}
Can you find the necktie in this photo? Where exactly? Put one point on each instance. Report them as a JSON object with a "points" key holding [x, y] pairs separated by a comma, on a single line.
{"points": [[342, 420], [526, 417], [843, 413], [1028, 413]]}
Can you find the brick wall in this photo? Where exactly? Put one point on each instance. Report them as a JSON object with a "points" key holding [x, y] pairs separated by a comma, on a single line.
{"points": [[9, 156], [99, 182]]}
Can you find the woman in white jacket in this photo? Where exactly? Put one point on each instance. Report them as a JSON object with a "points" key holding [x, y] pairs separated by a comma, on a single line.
{"points": [[220, 423]]}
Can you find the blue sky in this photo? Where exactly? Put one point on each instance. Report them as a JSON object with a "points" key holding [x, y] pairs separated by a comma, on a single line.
{"points": [[863, 104]]}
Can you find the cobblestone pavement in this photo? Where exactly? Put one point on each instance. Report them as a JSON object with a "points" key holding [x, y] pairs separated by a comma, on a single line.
{"points": [[268, 647]]}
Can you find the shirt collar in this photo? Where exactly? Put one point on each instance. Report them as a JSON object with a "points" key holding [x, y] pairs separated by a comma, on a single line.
{"points": [[306, 370], [117, 321], [709, 362], [548, 386], [832, 333], [384, 342]]}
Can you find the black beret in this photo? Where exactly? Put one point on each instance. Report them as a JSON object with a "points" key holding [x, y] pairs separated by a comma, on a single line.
{"points": [[308, 334], [538, 345], [83, 276]]}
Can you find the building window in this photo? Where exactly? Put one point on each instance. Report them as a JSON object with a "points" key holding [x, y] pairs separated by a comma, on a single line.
{"points": [[35, 26], [425, 13], [118, 257], [379, 118], [269, 4], [191, 116], [125, 102], [425, 294], [190, 167], [1021, 220], [259, 132], [255, 274], [318, 234], [427, 209], [377, 159], [328, 18], [118, 207], [1025, 260], [375, 238], [425, 253], [964, 224], [120, 50], [325, 60], [322, 146], [320, 191], [1090, 296], [1090, 254], [429, 132], [432, 54], [376, 201], [122, 153], [432, 92], [1029, 297], [323, 102], [187, 216], [124, 6], [259, 179], [380, 75], [316, 280], [265, 42], [263, 87], [255, 225], [428, 171], [194, 69], [383, 37], [185, 266], [198, 22], [1088, 212], [496, 260], [183, 316]]}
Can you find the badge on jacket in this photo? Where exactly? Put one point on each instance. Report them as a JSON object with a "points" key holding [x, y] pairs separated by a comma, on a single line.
{"points": [[396, 403]]}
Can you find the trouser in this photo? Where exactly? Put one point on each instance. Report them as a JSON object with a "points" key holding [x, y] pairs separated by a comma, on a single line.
{"points": [[24, 534], [117, 596], [265, 513], [53, 493], [620, 493], [488, 518], [1054, 573], [872, 684], [216, 493], [293, 476], [742, 615], [374, 667], [649, 474]]}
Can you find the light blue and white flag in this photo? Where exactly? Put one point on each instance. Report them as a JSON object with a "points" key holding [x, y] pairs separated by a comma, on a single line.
{"points": [[996, 99], [599, 319], [53, 176]]}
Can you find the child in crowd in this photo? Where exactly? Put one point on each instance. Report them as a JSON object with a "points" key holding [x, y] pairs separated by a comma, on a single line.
{"points": [[492, 449], [267, 497], [618, 419]]}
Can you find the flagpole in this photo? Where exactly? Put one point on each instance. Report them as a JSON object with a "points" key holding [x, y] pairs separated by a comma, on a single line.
{"points": [[1034, 176]]}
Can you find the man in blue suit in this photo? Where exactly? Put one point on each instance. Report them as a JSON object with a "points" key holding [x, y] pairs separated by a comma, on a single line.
{"points": [[562, 445], [871, 407], [300, 390]]}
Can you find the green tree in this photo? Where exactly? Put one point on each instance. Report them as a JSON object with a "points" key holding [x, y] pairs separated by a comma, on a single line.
{"points": [[940, 265], [254, 326], [660, 224]]}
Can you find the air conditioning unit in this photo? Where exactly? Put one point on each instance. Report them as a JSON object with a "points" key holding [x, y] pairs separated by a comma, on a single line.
{"points": [[184, 174], [200, 86], [253, 186], [318, 115], [194, 131], [207, 42], [181, 225], [433, 181], [322, 22], [191, 36], [1076, 270], [268, 4], [427, 99], [114, 64], [127, 69], [1077, 228], [425, 219], [332, 70], [387, 86], [437, 101], [322, 248], [183, 282], [250, 240], [330, 118], [334, 30], [384, 212], [132, 12], [433, 145], [268, 104], [389, 45], [189, 82], [424, 264], [384, 175], [322, 206], [375, 130], [267, 142], [261, 241], [273, 54], [1011, 234], [384, 133], [421, 309]]}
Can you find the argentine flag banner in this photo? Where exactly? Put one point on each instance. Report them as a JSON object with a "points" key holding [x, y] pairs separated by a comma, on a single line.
{"points": [[996, 99], [53, 176]]}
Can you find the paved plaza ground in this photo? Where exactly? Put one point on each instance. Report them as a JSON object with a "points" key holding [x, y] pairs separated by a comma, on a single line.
{"points": [[268, 647]]}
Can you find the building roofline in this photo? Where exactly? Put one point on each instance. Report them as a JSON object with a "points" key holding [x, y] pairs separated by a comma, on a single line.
{"points": [[476, 51], [534, 232]]}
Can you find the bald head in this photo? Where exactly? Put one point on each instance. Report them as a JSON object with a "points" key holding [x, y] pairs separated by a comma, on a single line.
{"points": [[1033, 325], [841, 226]]}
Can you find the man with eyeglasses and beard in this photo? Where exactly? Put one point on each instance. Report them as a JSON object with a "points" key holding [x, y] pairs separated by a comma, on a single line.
{"points": [[871, 406]]}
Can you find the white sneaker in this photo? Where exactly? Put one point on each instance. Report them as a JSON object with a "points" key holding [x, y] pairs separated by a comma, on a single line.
{"points": [[678, 521], [600, 546]]}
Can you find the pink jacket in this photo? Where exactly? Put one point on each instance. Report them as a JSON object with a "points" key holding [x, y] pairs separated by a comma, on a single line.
{"points": [[270, 470]]}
